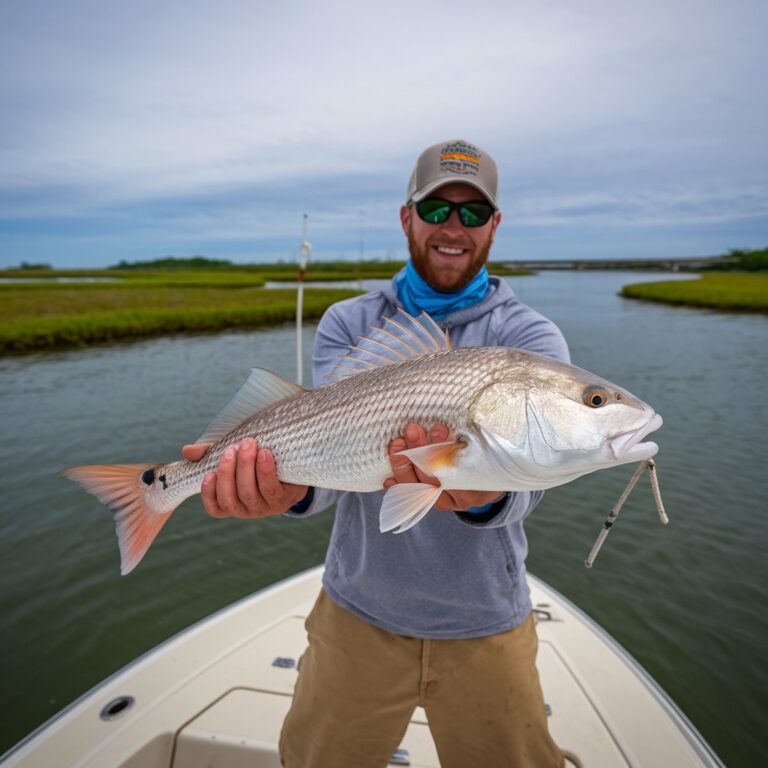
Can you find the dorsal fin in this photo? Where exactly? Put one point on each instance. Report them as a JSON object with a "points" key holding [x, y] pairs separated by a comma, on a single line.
{"points": [[262, 388], [401, 337]]}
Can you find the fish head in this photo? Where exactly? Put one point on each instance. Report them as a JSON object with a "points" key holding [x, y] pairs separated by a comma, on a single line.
{"points": [[565, 419]]}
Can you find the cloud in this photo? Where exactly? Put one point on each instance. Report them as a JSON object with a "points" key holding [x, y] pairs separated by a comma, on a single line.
{"points": [[217, 121]]}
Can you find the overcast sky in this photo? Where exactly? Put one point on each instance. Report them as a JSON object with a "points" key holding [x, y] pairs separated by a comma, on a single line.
{"points": [[136, 129]]}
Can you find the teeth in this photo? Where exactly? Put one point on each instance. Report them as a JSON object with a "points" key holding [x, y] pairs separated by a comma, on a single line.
{"points": [[450, 251]]}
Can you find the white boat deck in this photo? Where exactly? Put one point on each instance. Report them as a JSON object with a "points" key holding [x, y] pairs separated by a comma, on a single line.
{"points": [[216, 695]]}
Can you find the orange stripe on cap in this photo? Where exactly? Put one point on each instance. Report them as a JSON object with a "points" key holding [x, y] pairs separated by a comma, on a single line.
{"points": [[458, 156]]}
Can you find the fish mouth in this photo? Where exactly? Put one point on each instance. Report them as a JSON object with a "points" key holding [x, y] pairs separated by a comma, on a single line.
{"points": [[627, 446]]}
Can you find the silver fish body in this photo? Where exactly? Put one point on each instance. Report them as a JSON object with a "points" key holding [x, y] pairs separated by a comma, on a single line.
{"points": [[518, 421], [336, 436]]}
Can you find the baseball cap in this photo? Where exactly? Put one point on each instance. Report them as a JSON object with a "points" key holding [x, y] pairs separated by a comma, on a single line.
{"points": [[454, 162]]}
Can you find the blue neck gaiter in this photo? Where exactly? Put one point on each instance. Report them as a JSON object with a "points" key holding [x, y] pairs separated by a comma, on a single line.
{"points": [[418, 296]]}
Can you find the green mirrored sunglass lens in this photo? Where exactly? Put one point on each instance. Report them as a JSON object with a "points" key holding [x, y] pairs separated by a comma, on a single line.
{"points": [[468, 218], [434, 211], [474, 215]]}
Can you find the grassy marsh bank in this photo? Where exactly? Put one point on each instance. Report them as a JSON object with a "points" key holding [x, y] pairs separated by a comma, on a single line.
{"points": [[736, 291], [55, 315], [226, 273], [44, 308]]}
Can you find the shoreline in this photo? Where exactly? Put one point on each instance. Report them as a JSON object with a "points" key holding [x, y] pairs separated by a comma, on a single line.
{"points": [[742, 292], [34, 321], [52, 316]]}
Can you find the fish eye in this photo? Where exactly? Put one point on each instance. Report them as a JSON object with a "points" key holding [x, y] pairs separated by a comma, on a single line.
{"points": [[595, 397]]}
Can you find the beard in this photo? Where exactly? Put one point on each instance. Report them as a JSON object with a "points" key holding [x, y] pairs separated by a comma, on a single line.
{"points": [[442, 279]]}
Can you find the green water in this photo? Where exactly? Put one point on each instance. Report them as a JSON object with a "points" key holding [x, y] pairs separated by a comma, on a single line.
{"points": [[688, 600]]}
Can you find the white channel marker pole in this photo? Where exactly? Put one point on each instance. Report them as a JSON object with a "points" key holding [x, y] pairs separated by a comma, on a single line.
{"points": [[304, 253]]}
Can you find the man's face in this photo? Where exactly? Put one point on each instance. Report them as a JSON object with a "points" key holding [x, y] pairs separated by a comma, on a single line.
{"points": [[448, 255]]}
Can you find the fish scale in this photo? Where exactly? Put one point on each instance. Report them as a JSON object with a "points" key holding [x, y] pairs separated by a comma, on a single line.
{"points": [[337, 436]]}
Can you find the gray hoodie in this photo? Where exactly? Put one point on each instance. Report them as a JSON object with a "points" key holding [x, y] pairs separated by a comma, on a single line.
{"points": [[453, 575]]}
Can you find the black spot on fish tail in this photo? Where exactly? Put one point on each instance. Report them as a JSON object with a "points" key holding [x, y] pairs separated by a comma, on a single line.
{"points": [[162, 480], [148, 477]]}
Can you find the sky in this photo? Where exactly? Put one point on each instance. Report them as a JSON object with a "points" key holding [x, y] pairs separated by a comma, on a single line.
{"points": [[142, 129]]}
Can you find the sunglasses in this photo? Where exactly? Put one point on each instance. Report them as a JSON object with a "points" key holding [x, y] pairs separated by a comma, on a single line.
{"points": [[433, 210]]}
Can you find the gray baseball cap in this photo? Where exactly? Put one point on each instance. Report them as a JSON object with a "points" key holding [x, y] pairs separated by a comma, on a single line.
{"points": [[454, 162]]}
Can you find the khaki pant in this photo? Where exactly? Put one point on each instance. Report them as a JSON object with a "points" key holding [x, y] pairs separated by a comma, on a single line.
{"points": [[358, 686]]}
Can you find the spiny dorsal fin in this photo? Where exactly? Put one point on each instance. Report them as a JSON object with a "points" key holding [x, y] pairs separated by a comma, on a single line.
{"points": [[401, 337], [261, 389]]}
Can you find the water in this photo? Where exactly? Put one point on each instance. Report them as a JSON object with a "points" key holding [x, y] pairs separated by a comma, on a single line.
{"points": [[686, 600], [23, 280]]}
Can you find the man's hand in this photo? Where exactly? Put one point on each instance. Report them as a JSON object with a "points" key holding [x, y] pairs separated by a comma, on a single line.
{"points": [[245, 483], [404, 471]]}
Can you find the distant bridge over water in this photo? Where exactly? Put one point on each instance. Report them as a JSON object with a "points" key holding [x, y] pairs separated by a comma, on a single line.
{"points": [[666, 265]]}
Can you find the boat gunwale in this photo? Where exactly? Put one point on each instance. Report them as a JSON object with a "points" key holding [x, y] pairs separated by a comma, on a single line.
{"points": [[692, 735]]}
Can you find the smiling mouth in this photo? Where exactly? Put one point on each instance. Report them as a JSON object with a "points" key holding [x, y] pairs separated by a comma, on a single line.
{"points": [[628, 445], [447, 250]]}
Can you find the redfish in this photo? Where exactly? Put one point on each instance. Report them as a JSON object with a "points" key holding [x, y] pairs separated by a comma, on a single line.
{"points": [[518, 421]]}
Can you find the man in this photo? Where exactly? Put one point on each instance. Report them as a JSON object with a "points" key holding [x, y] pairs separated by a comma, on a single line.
{"points": [[440, 616]]}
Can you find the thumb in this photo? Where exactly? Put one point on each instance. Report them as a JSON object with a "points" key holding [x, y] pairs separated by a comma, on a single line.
{"points": [[195, 451]]}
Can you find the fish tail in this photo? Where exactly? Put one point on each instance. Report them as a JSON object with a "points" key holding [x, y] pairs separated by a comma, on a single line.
{"points": [[137, 519]]}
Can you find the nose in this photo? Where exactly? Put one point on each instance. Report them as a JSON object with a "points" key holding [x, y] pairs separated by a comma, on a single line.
{"points": [[453, 224]]}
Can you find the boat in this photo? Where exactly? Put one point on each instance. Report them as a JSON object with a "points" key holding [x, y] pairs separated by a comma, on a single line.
{"points": [[216, 695]]}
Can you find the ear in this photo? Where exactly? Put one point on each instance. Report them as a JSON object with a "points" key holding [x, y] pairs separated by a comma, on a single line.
{"points": [[495, 221], [405, 219]]}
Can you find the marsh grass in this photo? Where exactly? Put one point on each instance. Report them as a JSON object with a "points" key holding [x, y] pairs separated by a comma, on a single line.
{"points": [[252, 274], [739, 291], [51, 316], [106, 278]]}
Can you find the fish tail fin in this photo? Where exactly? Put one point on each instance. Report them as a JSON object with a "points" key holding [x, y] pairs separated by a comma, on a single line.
{"points": [[137, 519]]}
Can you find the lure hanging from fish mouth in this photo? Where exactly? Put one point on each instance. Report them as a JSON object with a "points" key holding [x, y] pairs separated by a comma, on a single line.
{"points": [[650, 465]]}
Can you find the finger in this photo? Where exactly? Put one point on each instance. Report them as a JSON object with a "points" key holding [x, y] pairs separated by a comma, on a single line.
{"points": [[245, 477], [195, 451], [416, 437], [270, 487], [403, 470], [208, 494], [439, 433], [397, 445], [226, 487]]}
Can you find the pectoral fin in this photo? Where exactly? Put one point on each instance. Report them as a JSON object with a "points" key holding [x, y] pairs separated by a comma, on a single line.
{"points": [[432, 458], [405, 504]]}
